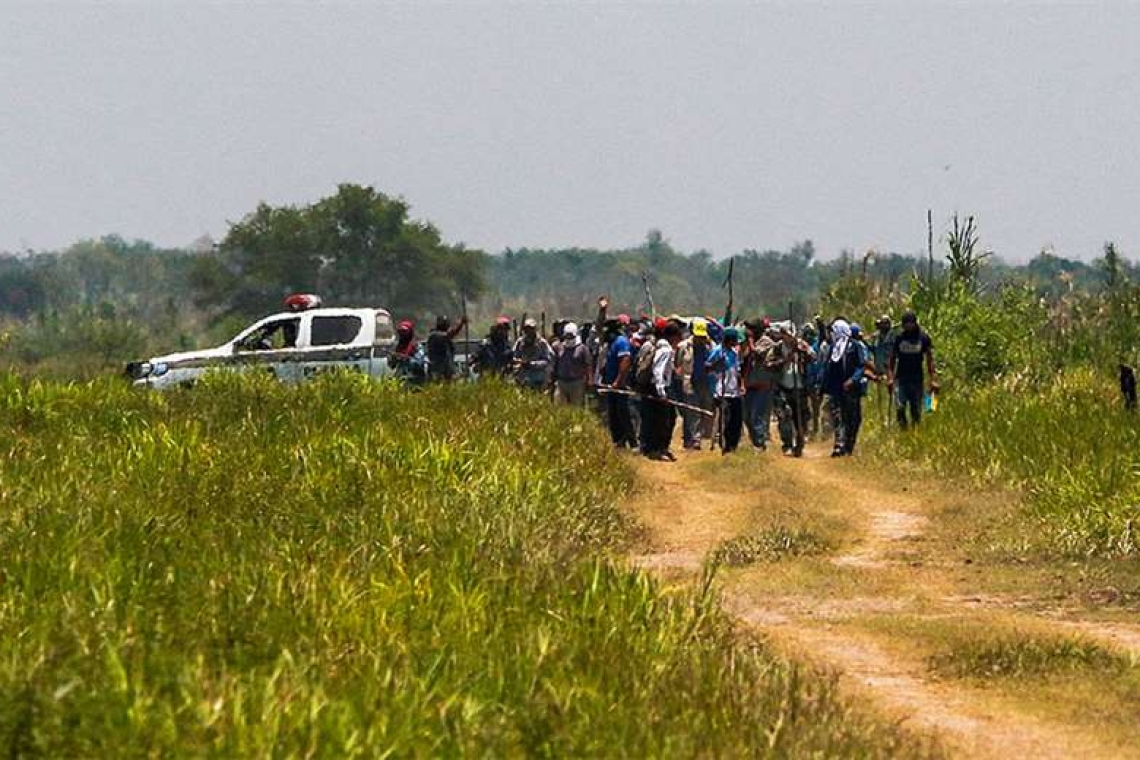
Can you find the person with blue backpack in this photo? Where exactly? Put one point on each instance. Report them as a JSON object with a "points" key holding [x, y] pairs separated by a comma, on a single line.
{"points": [[843, 382]]}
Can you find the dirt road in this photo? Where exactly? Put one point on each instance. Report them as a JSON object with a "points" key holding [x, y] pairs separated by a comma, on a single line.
{"points": [[894, 585]]}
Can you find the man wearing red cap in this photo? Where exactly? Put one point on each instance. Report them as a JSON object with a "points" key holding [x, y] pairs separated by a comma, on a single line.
{"points": [[408, 361]]}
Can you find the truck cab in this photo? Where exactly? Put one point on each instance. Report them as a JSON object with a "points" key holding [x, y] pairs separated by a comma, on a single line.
{"points": [[293, 346]]}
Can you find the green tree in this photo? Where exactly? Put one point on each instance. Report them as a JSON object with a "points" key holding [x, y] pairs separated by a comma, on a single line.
{"points": [[355, 247]]}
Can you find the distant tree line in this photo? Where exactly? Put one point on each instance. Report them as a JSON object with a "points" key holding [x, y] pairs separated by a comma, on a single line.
{"points": [[115, 298]]}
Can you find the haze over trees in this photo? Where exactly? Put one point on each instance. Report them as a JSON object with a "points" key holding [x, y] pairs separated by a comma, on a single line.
{"points": [[105, 300]]}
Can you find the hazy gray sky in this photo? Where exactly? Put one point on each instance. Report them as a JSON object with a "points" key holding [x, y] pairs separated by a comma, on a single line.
{"points": [[728, 126]]}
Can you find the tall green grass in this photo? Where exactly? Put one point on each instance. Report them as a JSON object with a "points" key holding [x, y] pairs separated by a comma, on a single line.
{"points": [[1067, 443], [346, 569]]}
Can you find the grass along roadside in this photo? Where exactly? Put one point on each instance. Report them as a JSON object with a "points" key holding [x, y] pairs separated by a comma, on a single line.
{"points": [[1064, 443], [1022, 664], [345, 569], [900, 552]]}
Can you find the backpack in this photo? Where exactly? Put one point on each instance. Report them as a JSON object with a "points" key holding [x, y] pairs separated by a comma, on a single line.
{"points": [[643, 377]]}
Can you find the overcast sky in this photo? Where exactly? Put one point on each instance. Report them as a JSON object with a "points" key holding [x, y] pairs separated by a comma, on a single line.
{"points": [[728, 126]]}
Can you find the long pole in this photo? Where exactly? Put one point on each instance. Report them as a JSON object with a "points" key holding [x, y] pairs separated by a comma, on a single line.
{"points": [[648, 295], [798, 379], [728, 284], [929, 246], [466, 336], [632, 394]]}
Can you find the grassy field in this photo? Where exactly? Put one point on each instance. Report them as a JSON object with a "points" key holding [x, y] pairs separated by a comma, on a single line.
{"points": [[1066, 443], [345, 569]]}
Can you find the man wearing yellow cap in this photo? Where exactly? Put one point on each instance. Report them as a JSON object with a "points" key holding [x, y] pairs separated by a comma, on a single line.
{"points": [[691, 356]]}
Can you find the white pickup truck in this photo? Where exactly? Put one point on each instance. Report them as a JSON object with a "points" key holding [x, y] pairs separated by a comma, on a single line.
{"points": [[292, 346]]}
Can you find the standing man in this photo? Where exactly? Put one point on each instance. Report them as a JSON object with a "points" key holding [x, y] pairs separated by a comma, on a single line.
{"points": [[661, 415], [843, 381], [408, 361], [904, 375], [571, 367], [495, 353], [615, 374], [692, 356], [758, 380], [532, 358], [794, 356], [724, 373], [815, 370], [881, 344], [441, 349]]}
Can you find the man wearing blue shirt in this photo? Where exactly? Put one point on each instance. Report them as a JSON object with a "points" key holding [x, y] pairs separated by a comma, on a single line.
{"points": [[615, 374]]}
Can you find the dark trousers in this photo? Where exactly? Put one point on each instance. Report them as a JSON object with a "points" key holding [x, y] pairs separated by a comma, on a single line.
{"points": [[908, 395], [847, 418], [657, 422], [795, 416], [732, 423], [647, 432], [621, 427]]}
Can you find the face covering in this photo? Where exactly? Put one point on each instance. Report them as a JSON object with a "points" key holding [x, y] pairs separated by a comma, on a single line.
{"points": [[840, 336]]}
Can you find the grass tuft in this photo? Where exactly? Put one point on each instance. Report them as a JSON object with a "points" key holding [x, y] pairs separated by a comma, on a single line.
{"points": [[1064, 443], [1017, 655], [769, 545]]}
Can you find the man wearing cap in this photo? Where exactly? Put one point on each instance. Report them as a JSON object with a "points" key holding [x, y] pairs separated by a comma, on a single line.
{"points": [[904, 372], [532, 358], [692, 354], [614, 373], [408, 361], [571, 367], [724, 374], [495, 353], [881, 344]]}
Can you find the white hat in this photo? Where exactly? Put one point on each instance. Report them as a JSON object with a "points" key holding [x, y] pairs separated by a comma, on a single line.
{"points": [[570, 329], [530, 322]]}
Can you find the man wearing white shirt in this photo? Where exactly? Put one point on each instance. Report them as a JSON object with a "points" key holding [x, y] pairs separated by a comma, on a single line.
{"points": [[662, 416]]}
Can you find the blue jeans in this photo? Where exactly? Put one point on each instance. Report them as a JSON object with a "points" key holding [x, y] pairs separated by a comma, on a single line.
{"points": [[908, 394], [757, 413], [698, 427]]}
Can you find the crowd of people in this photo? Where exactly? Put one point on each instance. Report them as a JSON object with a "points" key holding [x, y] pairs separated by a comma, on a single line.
{"points": [[723, 380]]}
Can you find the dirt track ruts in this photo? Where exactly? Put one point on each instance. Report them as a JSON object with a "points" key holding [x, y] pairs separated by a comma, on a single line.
{"points": [[689, 507]]}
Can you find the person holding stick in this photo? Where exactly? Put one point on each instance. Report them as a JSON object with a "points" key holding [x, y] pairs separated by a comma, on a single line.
{"points": [[692, 356], [794, 354], [660, 415], [441, 349], [724, 373], [614, 375]]}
